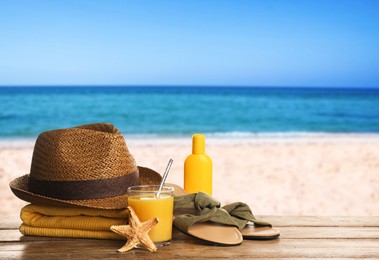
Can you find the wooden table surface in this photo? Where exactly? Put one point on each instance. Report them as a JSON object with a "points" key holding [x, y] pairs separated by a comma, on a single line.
{"points": [[301, 237]]}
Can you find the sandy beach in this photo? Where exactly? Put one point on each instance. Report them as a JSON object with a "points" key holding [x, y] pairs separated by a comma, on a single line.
{"points": [[335, 175]]}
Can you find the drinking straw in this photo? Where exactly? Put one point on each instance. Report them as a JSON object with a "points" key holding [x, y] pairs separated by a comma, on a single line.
{"points": [[164, 176]]}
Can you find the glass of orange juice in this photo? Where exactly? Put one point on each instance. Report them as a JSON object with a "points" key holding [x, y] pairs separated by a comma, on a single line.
{"points": [[149, 203]]}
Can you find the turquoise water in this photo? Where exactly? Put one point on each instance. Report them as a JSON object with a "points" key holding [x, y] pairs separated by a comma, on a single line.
{"points": [[178, 111]]}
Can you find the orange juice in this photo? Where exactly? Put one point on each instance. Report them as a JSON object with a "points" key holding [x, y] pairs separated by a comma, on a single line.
{"points": [[148, 206]]}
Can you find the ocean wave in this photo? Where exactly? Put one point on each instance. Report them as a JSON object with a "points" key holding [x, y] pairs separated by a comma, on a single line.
{"points": [[236, 134], [176, 112], [253, 135]]}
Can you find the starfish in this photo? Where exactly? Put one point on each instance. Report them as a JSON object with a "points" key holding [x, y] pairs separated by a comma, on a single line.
{"points": [[136, 232]]}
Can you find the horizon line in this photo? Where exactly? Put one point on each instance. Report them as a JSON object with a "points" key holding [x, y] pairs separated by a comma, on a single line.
{"points": [[181, 85]]}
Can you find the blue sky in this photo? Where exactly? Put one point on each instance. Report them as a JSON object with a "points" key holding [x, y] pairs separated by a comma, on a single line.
{"points": [[244, 43]]}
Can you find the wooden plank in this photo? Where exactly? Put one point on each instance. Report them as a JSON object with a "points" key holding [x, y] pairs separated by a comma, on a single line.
{"points": [[323, 221], [10, 222], [329, 232], [301, 237], [286, 248], [12, 235], [286, 233], [13, 222]]}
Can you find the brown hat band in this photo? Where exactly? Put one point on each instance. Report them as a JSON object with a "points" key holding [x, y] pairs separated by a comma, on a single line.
{"points": [[83, 190]]}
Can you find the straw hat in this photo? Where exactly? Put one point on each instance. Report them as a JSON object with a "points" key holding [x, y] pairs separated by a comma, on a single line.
{"points": [[88, 165]]}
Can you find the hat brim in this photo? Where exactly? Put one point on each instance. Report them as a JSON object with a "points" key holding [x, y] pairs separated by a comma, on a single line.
{"points": [[19, 187]]}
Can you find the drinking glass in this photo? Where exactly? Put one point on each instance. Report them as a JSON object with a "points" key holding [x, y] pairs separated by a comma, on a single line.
{"points": [[148, 203]]}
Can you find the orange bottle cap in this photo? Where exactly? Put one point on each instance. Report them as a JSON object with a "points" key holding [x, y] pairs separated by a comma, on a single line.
{"points": [[198, 143]]}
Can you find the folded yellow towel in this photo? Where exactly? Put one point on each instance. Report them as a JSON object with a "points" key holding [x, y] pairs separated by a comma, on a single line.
{"points": [[40, 220]]}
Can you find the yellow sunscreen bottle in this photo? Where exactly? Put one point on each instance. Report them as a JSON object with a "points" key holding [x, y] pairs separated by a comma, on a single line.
{"points": [[198, 168]]}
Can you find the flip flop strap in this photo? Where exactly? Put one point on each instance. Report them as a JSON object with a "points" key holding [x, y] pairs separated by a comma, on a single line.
{"points": [[203, 207], [184, 221], [206, 208], [198, 201], [242, 214]]}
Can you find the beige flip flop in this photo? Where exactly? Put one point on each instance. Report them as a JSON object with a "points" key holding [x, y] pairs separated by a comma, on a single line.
{"points": [[209, 232], [222, 235], [201, 216], [214, 234], [252, 232]]}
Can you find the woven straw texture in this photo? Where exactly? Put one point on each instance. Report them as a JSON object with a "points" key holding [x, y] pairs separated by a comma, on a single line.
{"points": [[89, 152], [80, 157]]}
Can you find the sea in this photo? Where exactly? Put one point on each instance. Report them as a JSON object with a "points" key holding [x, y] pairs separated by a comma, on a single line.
{"points": [[169, 111]]}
